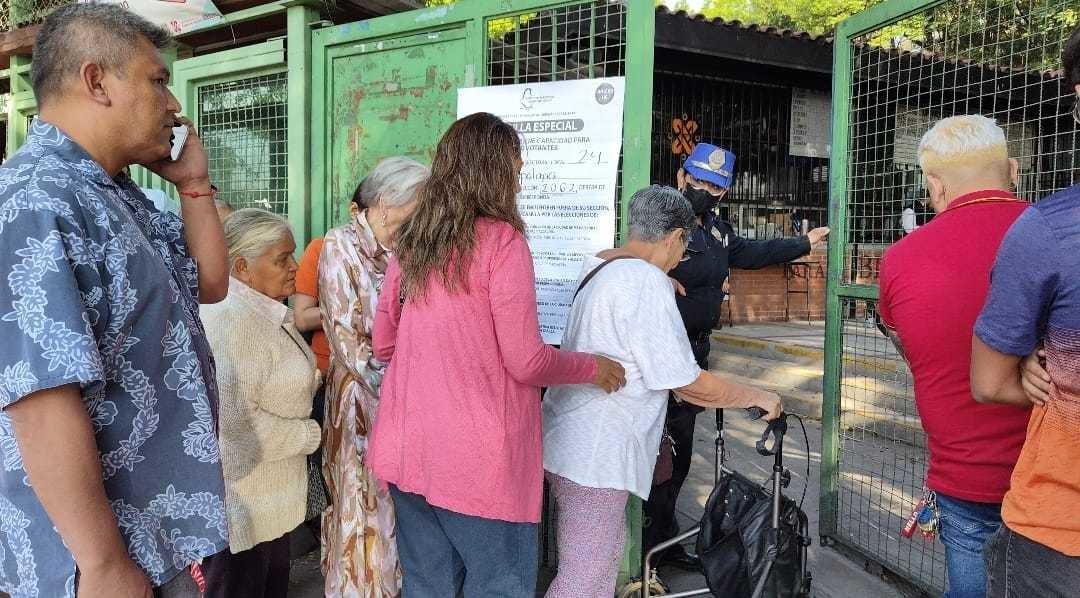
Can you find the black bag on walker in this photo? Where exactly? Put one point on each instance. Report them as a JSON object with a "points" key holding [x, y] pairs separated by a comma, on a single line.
{"points": [[734, 541]]}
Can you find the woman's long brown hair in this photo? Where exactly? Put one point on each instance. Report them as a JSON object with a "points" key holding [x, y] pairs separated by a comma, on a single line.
{"points": [[473, 175]]}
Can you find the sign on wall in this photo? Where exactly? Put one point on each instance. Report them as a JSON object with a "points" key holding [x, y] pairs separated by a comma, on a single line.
{"points": [[810, 134], [178, 16], [573, 136], [911, 124]]}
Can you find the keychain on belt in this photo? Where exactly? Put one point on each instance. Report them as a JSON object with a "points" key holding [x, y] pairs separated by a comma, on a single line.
{"points": [[926, 517]]}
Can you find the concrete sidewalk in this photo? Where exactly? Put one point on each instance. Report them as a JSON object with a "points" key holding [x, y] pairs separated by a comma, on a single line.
{"points": [[800, 334], [835, 576], [788, 358]]}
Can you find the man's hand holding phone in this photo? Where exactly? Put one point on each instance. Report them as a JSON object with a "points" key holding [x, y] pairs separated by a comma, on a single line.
{"points": [[187, 166]]}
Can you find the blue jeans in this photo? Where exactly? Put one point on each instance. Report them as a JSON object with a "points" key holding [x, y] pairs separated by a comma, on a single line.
{"points": [[1021, 568], [966, 527], [443, 553]]}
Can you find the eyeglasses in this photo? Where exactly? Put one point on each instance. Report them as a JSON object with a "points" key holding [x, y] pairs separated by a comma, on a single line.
{"points": [[686, 234]]}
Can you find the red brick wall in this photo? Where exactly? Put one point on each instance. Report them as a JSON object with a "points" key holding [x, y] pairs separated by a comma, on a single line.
{"points": [[759, 295], [867, 267], [868, 264]]}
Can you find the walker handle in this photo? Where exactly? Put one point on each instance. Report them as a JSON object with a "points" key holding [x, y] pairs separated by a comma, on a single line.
{"points": [[777, 428]]}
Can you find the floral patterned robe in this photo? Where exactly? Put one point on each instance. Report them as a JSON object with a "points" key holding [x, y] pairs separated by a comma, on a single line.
{"points": [[359, 547]]}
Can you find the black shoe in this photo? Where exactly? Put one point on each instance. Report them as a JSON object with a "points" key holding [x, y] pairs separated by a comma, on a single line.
{"points": [[681, 560]]}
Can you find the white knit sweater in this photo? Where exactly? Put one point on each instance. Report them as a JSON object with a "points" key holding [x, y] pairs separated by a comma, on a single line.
{"points": [[267, 377]]}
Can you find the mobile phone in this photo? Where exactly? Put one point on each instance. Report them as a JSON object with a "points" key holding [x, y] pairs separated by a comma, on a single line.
{"points": [[179, 137]]}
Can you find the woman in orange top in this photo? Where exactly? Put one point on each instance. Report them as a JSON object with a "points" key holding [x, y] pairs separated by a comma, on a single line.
{"points": [[306, 303]]}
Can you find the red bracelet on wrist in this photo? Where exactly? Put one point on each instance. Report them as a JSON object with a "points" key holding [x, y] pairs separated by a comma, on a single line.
{"points": [[211, 193]]}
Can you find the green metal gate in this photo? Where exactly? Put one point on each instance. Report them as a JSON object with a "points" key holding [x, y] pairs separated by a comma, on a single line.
{"points": [[898, 67], [239, 102], [388, 86]]}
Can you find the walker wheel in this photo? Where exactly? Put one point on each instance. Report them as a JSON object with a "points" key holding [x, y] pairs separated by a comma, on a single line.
{"points": [[633, 588]]}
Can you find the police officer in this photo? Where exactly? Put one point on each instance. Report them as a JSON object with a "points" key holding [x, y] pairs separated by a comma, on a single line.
{"points": [[699, 281]]}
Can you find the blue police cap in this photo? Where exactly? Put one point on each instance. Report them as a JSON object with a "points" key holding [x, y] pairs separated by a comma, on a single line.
{"points": [[711, 164]]}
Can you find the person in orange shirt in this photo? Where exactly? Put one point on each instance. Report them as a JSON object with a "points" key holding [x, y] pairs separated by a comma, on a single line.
{"points": [[1035, 299], [305, 302]]}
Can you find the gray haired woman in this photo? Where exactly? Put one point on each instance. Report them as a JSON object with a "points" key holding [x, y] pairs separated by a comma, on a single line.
{"points": [[359, 555], [599, 448], [267, 377]]}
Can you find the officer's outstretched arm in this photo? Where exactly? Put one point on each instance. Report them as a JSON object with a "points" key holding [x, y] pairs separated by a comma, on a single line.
{"points": [[748, 254]]}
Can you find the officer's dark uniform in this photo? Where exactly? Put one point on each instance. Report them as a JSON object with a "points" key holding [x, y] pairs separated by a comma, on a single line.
{"points": [[713, 248]]}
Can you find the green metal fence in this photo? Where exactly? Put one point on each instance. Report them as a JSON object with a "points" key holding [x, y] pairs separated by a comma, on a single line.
{"points": [[772, 188], [899, 67], [243, 124], [389, 87]]}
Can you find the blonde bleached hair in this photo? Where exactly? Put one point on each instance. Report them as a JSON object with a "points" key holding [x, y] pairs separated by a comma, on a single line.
{"points": [[963, 143]]}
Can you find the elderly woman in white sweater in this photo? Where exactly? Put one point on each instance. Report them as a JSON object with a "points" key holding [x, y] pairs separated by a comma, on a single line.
{"points": [[267, 377], [600, 448]]}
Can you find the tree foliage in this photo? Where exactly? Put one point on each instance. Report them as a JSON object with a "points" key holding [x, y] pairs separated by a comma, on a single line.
{"points": [[1024, 34], [1018, 33], [814, 16], [497, 28]]}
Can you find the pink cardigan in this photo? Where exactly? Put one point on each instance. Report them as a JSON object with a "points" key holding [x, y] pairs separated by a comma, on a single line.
{"points": [[459, 419]]}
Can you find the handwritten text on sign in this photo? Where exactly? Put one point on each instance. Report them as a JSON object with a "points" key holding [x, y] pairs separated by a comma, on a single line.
{"points": [[811, 131], [573, 135]]}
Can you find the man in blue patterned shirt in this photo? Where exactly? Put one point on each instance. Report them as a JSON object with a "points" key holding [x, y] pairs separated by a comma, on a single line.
{"points": [[111, 483]]}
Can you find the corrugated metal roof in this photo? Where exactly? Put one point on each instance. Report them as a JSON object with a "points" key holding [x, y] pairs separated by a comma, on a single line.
{"points": [[923, 55], [734, 24], [927, 56]]}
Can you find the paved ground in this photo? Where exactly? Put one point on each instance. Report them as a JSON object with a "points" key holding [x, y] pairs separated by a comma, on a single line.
{"points": [[834, 574], [860, 336], [796, 333]]}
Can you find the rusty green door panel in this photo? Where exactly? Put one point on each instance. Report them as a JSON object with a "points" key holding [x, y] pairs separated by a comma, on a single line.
{"points": [[389, 98], [379, 92], [461, 42], [388, 86]]}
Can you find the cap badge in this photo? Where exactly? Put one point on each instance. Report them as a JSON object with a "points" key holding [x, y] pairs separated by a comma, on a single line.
{"points": [[717, 159]]}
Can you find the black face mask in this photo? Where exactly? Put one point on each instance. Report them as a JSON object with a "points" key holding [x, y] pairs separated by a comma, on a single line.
{"points": [[702, 201]]}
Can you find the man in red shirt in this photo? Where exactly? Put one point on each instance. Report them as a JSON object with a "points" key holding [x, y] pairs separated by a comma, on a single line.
{"points": [[933, 283]]}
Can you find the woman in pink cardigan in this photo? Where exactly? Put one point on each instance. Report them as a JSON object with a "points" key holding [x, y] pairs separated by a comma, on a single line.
{"points": [[458, 431]]}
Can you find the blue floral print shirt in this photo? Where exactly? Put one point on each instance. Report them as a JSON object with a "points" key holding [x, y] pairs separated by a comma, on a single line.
{"points": [[97, 289]]}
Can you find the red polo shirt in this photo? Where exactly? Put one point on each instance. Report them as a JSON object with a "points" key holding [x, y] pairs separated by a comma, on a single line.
{"points": [[933, 284]]}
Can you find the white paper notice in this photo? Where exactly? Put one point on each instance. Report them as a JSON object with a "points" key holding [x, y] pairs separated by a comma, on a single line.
{"points": [[1021, 141], [573, 135], [811, 124], [911, 124]]}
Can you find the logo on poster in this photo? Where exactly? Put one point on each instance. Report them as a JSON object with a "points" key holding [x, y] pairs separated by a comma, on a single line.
{"points": [[530, 100], [605, 92]]}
